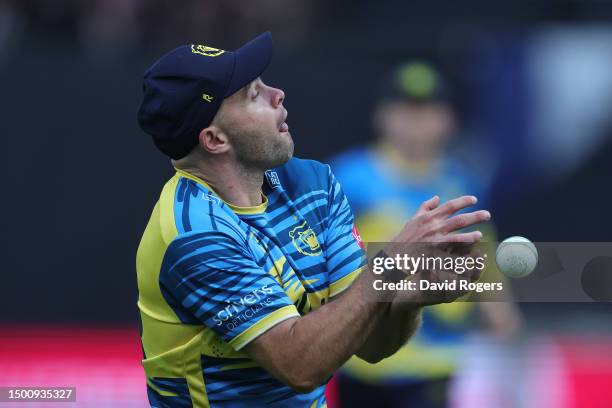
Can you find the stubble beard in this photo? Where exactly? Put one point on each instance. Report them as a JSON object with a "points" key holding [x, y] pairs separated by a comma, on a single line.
{"points": [[262, 151]]}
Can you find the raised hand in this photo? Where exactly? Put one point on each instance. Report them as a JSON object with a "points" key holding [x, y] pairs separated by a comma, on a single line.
{"points": [[434, 232]]}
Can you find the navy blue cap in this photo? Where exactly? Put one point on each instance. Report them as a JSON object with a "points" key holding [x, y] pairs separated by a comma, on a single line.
{"points": [[184, 89]]}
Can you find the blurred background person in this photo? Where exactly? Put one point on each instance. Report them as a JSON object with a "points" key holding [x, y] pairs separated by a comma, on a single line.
{"points": [[385, 182]]}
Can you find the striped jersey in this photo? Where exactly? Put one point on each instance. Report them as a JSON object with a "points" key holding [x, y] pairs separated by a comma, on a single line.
{"points": [[212, 277]]}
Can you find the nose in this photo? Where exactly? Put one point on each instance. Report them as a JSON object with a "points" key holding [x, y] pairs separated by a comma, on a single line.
{"points": [[278, 98]]}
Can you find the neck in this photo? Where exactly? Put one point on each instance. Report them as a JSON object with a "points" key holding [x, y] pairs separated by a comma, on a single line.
{"points": [[235, 184]]}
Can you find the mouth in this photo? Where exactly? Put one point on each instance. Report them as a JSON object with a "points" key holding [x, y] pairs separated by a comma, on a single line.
{"points": [[283, 127]]}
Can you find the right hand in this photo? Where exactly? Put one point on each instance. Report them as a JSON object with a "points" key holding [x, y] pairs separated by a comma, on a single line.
{"points": [[435, 223], [433, 232]]}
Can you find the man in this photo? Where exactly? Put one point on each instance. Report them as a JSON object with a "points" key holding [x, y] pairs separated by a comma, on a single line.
{"points": [[251, 279], [385, 184]]}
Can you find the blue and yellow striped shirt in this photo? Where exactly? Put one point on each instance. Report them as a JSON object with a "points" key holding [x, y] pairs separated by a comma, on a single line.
{"points": [[212, 277]]}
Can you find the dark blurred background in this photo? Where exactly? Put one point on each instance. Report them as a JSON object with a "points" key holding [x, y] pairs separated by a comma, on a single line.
{"points": [[532, 81]]}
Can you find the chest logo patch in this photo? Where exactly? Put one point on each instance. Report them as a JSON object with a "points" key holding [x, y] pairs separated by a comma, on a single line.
{"points": [[305, 240]]}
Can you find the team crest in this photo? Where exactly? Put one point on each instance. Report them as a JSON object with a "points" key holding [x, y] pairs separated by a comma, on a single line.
{"points": [[206, 50], [305, 240]]}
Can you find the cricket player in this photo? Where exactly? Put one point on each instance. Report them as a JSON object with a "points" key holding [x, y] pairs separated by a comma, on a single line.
{"points": [[251, 275]]}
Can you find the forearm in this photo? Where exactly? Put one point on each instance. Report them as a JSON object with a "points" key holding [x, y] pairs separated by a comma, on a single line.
{"points": [[394, 329], [330, 335], [324, 338]]}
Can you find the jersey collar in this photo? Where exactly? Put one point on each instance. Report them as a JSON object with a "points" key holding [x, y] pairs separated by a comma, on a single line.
{"points": [[258, 209]]}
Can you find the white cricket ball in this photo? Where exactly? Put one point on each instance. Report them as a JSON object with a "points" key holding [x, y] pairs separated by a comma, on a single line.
{"points": [[516, 257]]}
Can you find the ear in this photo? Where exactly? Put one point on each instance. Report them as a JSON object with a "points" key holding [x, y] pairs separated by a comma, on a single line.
{"points": [[213, 140]]}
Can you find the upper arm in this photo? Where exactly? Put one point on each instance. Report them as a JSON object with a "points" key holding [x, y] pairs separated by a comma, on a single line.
{"points": [[212, 278]]}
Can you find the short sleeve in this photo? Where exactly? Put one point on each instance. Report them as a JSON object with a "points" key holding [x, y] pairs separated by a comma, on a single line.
{"points": [[344, 250], [214, 279]]}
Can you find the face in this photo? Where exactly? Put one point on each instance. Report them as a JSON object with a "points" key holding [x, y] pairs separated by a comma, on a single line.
{"points": [[419, 129], [254, 121]]}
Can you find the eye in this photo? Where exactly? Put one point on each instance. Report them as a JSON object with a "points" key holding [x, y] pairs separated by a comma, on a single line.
{"points": [[255, 95]]}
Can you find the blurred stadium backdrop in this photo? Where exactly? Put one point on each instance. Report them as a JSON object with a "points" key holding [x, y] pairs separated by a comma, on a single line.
{"points": [[533, 84]]}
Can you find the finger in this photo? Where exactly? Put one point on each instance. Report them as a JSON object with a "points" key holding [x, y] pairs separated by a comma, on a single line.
{"points": [[461, 249], [465, 220], [471, 274], [458, 292], [475, 275], [454, 205], [465, 238], [429, 205], [476, 272]]}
